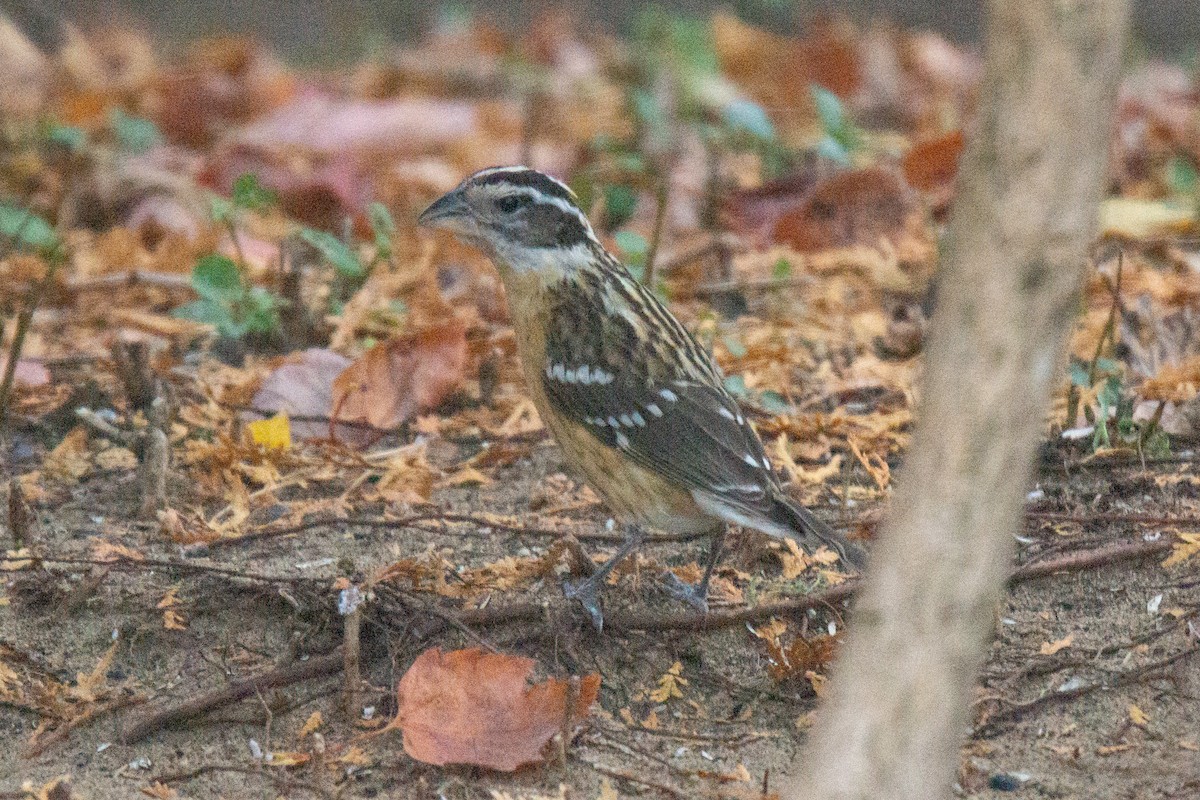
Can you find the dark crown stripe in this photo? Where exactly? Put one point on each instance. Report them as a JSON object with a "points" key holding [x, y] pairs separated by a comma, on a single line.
{"points": [[528, 178]]}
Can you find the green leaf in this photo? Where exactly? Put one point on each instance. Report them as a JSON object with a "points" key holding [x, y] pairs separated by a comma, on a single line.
{"points": [[781, 270], [743, 116], [774, 402], [217, 278], [208, 312], [833, 150], [620, 202], [1107, 365], [248, 193], [220, 209], [829, 109], [335, 251], [134, 134], [68, 136], [1181, 175], [735, 385], [26, 228], [1079, 374], [633, 247], [735, 347]]}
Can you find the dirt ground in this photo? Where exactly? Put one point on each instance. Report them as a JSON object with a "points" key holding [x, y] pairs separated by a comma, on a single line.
{"points": [[1091, 689]]}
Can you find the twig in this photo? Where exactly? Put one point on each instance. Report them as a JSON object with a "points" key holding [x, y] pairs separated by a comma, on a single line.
{"points": [[661, 197], [292, 673], [60, 734], [1089, 559], [1016, 710], [54, 261], [640, 779], [282, 780], [351, 637], [129, 279], [156, 454]]}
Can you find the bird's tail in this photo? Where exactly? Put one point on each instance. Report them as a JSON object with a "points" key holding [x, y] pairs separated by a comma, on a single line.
{"points": [[810, 532]]}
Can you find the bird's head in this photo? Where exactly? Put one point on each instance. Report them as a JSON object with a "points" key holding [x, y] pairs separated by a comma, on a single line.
{"points": [[523, 219]]}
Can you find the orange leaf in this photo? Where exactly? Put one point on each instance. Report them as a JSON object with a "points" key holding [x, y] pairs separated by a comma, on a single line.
{"points": [[847, 208], [397, 378], [473, 707], [1050, 648], [932, 163]]}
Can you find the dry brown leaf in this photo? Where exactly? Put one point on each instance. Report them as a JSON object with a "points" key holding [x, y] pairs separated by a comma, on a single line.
{"points": [[854, 207], [397, 378], [473, 707], [303, 387], [1186, 547], [70, 459], [669, 684], [1108, 750], [932, 164]]}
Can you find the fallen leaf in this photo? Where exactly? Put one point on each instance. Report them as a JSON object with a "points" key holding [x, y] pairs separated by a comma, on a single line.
{"points": [[116, 458], [669, 684], [70, 459], [738, 775], [1188, 744], [931, 165], [852, 207], [303, 387], [28, 372], [1138, 717], [1108, 750], [311, 724], [160, 791], [473, 707], [397, 378], [1186, 546], [287, 759], [1050, 648], [607, 792], [274, 432]]}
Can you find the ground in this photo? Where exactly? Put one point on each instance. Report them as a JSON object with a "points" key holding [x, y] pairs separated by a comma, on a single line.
{"points": [[733, 719]]}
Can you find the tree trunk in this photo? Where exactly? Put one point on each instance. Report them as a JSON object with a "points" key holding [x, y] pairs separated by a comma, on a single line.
{"points": [[1029, 187]]}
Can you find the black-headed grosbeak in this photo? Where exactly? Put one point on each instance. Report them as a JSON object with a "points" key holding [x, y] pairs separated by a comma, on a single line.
{"points": [[634, 401]]}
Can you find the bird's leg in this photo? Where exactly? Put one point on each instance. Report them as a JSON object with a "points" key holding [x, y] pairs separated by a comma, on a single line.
{"points": [[587, 590], [697, 595]]}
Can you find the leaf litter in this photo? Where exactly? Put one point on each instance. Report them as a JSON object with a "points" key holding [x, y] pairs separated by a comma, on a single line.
{"points": [[345, 399]]}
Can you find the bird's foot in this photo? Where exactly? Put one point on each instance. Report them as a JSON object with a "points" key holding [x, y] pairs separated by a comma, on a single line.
{"points": [[586, 592], [695, 595]]}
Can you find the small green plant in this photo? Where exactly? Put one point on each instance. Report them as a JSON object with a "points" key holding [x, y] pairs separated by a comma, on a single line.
{"points": [[842, 138], [228, 302], [134, 134]]}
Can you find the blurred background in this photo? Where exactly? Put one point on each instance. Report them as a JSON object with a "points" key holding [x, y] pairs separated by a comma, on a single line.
{"points": [[337, 30]]}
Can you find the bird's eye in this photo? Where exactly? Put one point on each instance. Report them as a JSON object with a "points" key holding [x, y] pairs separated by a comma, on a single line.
{"points": [[508, 204]]}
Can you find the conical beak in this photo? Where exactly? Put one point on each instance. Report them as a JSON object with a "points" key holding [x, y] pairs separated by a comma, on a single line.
{"points": [[448, 207]]}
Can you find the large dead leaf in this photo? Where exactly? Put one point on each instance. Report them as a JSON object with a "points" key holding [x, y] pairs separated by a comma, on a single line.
{"points": [[303, 387], [473, 707], [854, 207], [397, 378]]}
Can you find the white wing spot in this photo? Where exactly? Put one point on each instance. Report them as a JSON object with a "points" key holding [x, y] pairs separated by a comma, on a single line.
{"points": [[597, 421], [602, 377], [638, 419], [727, 414], [668, 395], [740, 419], [585, 374], [626, 421], [612, 422], [654, 409], [559, 371], [622, 440], [751, 460]]}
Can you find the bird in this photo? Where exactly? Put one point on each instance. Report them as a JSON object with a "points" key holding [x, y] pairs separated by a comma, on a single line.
{"points": [[635, 403]]}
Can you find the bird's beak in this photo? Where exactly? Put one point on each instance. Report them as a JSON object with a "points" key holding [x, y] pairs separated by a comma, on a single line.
{"points": [[444, 211]]}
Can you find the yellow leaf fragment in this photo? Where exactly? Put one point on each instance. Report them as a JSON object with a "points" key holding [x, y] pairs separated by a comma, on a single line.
{"points": [[274, 432], [1050, 648], [1186, 547], [607, 792], [669, 684], [1138, 717], [174, 621], [313, 722], [1188, 744]]}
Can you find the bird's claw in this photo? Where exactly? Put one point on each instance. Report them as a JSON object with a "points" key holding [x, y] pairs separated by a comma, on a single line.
{"points": [[584, 590], [690, 593]]}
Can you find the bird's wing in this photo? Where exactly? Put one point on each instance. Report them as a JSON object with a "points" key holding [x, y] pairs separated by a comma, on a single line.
{"points": [[631, 375]]}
